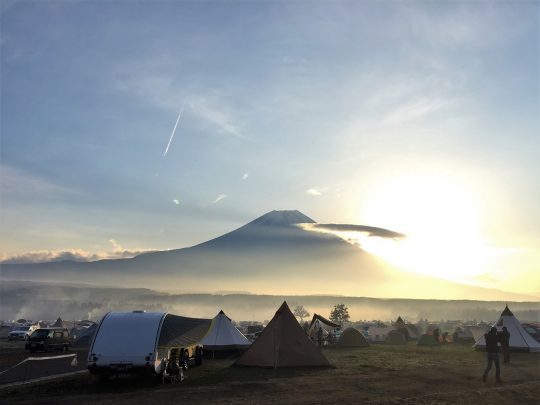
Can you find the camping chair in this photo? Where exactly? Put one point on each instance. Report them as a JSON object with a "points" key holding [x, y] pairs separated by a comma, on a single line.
{"points": [[173, 371]]}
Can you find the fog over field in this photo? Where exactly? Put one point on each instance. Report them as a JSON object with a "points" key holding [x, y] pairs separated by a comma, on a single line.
{"points": [[42, 301]]}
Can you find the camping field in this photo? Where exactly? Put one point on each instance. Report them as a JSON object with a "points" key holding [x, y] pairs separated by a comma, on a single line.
{"points": [[376, 374]]}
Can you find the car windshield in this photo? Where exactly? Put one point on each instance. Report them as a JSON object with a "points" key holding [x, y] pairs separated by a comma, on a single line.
{"points": [[40, 334], [22, 328]]}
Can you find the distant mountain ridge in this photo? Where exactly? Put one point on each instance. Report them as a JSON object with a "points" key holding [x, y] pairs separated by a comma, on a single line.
{"points": [[270, 254]]}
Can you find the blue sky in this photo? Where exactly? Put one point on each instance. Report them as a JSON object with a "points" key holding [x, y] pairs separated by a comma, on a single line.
{"points": [[351, 112]]}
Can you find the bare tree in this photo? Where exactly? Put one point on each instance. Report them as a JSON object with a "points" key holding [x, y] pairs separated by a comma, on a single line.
{"points": [[300, 312]]}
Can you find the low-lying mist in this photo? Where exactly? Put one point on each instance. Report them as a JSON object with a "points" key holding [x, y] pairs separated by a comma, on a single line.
{"points": [[44, 301]]}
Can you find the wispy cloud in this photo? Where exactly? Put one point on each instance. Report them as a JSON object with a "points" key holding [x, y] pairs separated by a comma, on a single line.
{"points": [[364, 229], [313, 191], [219, 198], [14, 181], [411, 111], [205, 104], [209, 111], [77, 255]]}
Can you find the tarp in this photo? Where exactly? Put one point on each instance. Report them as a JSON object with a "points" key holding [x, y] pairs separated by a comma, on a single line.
{"points": [[520, 340], [180, 331], [352, 338], [223, 335], [283, 343], [324, 322]]}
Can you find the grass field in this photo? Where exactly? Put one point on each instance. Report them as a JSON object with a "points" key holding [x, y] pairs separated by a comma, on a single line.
{"points": [[377, 374]]}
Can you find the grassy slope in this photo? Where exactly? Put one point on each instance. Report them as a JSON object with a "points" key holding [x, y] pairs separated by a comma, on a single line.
{"points": [[379, 374]]}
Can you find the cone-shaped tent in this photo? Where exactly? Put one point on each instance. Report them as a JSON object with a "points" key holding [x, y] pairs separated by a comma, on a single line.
{"points": [[352, 338], [283, 343], [223, 335], [59, 323], [400, 323], [395, 338], [520, 340], [427, 340]]}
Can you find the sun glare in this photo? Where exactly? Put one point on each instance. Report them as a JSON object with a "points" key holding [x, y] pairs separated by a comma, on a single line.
{"points": [[440, 219]]}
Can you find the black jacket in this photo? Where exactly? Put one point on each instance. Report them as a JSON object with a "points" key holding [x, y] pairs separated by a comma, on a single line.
{"points": [[491, 343]]}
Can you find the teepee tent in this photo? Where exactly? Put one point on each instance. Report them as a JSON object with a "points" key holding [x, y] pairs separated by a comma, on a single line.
{"points": [[59, 323], [520, 340], [224, 336], [283, 343], [352, 338]]}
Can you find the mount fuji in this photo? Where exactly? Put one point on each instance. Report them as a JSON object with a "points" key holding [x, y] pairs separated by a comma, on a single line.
{"points": [[270, 255]]}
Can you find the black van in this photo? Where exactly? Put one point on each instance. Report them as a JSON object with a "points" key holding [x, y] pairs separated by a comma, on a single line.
{"points": [[48, 339]]}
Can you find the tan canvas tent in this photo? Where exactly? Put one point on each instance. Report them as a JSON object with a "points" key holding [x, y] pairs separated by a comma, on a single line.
{"points": [[283, 343], [352, 338]]}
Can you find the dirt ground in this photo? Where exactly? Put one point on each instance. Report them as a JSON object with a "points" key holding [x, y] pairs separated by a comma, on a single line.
{"points": [[377, 374], [12, 353]]}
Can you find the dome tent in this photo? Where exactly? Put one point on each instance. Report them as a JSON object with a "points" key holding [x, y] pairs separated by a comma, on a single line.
{"points": [[426, 340], [395, 338], [352, 337]]}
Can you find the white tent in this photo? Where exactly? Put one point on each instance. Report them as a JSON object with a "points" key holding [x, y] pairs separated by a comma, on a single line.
{"points": [[223, 335], [519, 338]]}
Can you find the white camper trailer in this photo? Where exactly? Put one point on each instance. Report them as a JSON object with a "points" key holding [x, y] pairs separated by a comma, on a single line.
{"points": [[141, 342]]}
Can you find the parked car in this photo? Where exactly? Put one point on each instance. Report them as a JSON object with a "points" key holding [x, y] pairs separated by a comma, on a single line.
{"points": [[19, 333], [46, 339]]}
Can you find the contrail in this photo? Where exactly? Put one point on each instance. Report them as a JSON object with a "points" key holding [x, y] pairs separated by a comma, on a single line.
{"points": [[174, 130]]}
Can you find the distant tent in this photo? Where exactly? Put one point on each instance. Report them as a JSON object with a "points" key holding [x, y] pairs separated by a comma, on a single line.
{"points": [[84, 336], [352, 338], [427, 340], [313, 331], [520, 340], [400, 323], [283, 343], [319, 321], [224, 336], [414, 333], [58, 324], [326, 323], [395, 338], [378, 334]]}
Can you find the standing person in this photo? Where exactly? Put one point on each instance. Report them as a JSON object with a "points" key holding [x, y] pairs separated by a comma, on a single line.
{"points": [[436, 334], [504, 338], [492, 349]]}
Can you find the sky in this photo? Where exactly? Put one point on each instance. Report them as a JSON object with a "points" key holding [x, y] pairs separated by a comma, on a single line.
{"points": [[131, 126]]}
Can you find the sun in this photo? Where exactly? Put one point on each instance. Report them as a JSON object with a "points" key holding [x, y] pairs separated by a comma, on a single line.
{"points": [[440, 218]]}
